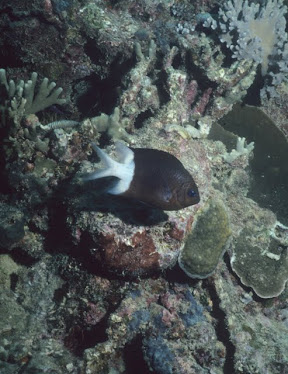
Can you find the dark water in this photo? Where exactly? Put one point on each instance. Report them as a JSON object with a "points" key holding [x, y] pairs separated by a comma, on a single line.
{"points": [[269, 166]]}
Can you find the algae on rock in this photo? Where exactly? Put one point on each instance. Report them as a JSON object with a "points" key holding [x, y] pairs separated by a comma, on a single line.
{"points": [[207, 241]]}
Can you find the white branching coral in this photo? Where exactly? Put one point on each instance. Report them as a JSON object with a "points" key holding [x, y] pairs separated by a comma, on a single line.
{"points": [[256, 32], [241, 149]]}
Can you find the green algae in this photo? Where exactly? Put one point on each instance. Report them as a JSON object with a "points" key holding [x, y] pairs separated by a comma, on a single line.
{"points": [[207, 241]]}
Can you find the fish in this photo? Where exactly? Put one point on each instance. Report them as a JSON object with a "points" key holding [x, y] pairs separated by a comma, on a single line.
{"points": [[151, 176]]}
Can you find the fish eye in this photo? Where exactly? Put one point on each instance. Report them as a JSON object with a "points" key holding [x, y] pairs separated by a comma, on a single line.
{"points": [[191, 193]]}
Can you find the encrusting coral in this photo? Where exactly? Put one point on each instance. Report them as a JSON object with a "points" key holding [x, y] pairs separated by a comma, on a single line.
{"points": [[207, 241], [264, 267]]}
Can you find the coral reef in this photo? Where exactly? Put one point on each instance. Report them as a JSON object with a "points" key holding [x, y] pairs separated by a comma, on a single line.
{"points": [[177, 315], [26, 326], [256, 32], [269, 162], [22, 99], [256, 323], [276, 108], [112, 124], [90, 282], [194, 110], [153, 248]]}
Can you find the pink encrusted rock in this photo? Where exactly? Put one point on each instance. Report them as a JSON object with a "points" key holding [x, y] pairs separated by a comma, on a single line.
{"points": [[141, 248], [128, 249], [138, 256]]}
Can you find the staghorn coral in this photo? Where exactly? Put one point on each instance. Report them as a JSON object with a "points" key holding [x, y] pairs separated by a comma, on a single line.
{"points": [[26, 142], [190, 109], [141, 94]]}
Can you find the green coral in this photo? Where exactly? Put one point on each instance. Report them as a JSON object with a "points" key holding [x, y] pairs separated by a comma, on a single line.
{"points": [[207, 241]]}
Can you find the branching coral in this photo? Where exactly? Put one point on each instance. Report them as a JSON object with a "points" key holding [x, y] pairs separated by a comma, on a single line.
{"points": [[240, 150], [141, 94], [23, 98], [191, 111], [257, 33], [113, 124]]}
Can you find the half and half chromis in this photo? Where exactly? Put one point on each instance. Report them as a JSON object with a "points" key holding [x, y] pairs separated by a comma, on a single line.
{"points": [[151, 176]]}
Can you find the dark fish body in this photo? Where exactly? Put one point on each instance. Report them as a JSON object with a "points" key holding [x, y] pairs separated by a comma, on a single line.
{"points": [[160, 180], [154, 177]]}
